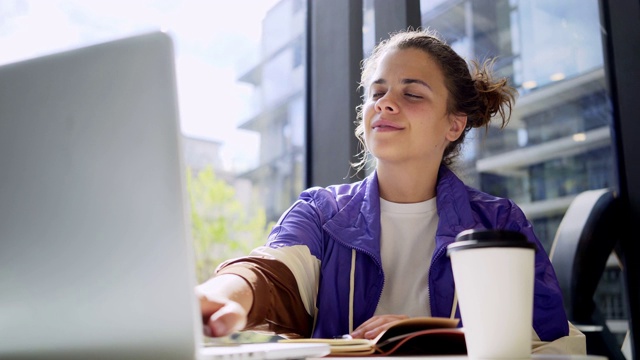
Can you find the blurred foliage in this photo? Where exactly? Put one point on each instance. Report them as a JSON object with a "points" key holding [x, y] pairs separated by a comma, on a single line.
{"points": [[222, 228]]}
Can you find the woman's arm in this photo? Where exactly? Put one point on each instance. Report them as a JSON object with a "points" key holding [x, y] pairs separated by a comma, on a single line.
{"points": [[254, 293]]}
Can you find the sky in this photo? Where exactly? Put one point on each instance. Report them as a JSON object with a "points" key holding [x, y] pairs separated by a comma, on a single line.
{"points": [[213, 38]]}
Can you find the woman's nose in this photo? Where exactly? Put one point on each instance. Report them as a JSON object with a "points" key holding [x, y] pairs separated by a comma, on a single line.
{"points": [[386, 103]]}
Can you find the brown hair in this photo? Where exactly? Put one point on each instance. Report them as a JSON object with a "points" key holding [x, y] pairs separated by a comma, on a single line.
{"points": [[472, 88]]}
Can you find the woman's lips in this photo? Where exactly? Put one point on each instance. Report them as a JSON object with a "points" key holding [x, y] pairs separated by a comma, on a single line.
{"points": [[385, 125]]}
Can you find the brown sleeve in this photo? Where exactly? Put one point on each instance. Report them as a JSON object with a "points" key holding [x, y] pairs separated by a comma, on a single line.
{"points": [[277, 304]]}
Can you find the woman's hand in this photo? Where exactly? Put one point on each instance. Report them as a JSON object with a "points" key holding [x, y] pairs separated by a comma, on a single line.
{"points": [[225, 302], [221, 317], [374, 326]]}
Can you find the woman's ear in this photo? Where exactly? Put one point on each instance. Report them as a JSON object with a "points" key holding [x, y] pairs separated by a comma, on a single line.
{"points": [[457, 123]]}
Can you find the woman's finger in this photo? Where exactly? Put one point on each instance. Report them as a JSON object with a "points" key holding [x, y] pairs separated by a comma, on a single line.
{"points": [[374, 326]]}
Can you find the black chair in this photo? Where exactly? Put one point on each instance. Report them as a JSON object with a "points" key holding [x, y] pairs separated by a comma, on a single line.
{"points": [[585, 239]]}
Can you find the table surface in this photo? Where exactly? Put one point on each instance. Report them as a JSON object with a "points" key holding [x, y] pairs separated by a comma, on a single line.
{"points": [[458, 357]]}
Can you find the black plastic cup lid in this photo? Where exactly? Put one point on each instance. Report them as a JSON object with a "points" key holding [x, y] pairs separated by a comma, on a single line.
{"points": [[474, 238]]}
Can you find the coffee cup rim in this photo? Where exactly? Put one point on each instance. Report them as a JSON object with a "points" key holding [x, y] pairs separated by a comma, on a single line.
{"points": [[485, 238]]}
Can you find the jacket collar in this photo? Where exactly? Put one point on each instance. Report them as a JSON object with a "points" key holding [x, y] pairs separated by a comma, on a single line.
{"points": [[454, 207], [357, 223]]}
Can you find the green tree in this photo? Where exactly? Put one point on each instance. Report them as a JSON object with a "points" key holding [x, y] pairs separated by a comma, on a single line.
{"points": [[222, 228]]}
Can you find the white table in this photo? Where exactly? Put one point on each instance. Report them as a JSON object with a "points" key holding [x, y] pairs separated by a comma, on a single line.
{"points": [[459, 357]]}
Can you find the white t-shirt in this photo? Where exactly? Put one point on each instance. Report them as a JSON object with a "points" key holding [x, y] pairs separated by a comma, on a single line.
{"points": [[407, 243]]}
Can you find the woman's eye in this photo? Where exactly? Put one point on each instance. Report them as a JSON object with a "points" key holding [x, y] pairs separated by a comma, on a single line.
{"points": [[377, 95], [413, 96]]}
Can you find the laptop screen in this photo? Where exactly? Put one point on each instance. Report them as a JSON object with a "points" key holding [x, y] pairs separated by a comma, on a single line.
{"points": [[94, 251]]}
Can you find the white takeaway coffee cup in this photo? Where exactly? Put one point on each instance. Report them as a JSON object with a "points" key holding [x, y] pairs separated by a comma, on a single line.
{"points": [[493, 271]]}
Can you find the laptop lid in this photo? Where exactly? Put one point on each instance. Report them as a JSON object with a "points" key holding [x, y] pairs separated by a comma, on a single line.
{"points": [[95, 253], [94, 238]]}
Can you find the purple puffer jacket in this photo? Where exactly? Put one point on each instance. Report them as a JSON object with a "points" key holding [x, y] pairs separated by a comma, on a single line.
{"points": [[334, 221]]}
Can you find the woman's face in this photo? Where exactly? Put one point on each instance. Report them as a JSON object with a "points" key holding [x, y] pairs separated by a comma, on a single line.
{"points": [[405, 110]]}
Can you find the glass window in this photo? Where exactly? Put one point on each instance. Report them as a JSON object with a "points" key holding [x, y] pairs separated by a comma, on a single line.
{"points": [[240, 68], [558, 142], [558, 40], [559, 130]]}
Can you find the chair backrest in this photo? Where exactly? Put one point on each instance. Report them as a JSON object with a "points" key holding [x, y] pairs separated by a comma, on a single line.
{"points": [[584, 241]]}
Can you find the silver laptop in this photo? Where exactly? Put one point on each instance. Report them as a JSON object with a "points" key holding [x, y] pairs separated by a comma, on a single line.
{"points": [[95, 253]]}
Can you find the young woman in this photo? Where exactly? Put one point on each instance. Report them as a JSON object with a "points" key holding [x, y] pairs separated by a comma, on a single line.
{"points": [[353, 258]]}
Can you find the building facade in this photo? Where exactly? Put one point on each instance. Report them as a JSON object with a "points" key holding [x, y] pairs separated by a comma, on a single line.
{"points": [[277, 74]]}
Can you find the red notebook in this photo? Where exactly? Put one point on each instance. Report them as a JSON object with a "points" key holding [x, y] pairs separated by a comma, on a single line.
{"points": [[414, 336]]}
